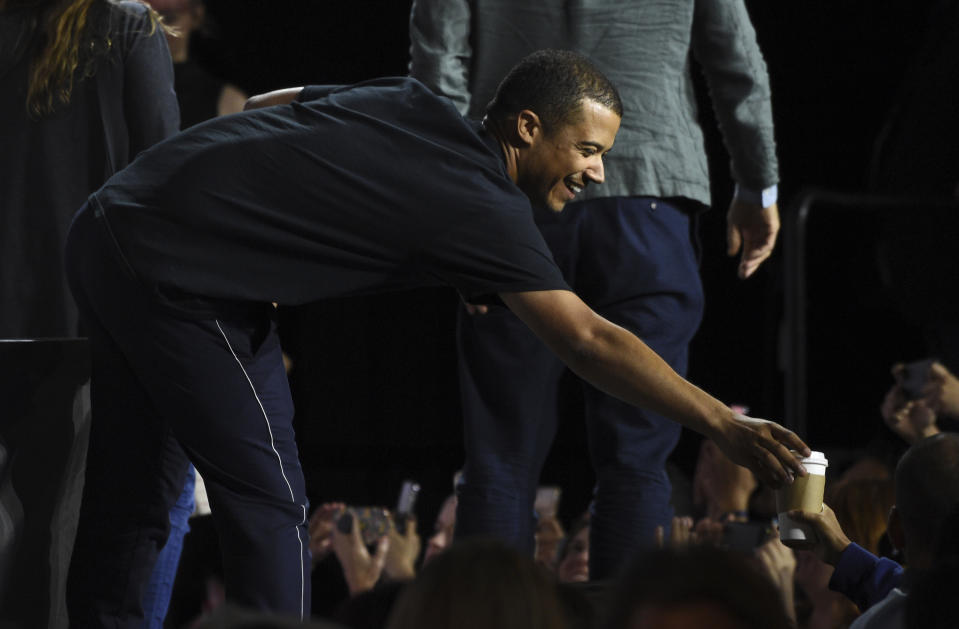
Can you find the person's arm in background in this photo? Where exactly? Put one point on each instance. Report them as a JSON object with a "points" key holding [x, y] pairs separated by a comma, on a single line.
{"points": [[361, 570], [859, 575], [440, 50], [915, 419], [149, 102], [403, 552], [287, 95], [276, 97], [724, 43], [620, 364], [232, 100]]}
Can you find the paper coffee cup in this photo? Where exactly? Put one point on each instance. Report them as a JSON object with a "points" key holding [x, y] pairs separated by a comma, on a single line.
{"points": [[805, 493]]}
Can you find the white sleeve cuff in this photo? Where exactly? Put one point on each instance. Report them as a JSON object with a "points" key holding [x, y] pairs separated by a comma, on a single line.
{"points": [[764, 197]]}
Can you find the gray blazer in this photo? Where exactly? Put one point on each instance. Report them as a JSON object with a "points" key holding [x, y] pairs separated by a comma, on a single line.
{"points": [[463, 48]]}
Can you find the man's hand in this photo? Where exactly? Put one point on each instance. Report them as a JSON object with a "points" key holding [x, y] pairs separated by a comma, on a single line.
{"points": [[830, 539], [764, 447], [360, 569], [753, 229]]}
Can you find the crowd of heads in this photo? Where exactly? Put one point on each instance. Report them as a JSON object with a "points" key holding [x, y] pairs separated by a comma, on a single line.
{"points": [[697, 574], [693, 576]]}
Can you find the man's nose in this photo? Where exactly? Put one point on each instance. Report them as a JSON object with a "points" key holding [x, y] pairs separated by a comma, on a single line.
{"points": [[596, 172]]}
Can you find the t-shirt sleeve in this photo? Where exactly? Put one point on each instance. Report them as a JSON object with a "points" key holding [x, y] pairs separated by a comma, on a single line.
{"points": [[494, 251]]}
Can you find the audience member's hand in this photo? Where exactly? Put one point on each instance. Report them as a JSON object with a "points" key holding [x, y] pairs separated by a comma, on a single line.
{"points": [[764, 447], [709, 531], [403, 552], [753, 229], [360, 569], [680, 533], [475, 309], [549, 535], [779, 562], [321, 527], [830, 538], [719, 484], [912, 420], [946, 387], [915, 419], [683, 533]]}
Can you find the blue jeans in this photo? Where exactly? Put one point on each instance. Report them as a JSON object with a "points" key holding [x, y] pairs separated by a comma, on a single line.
{"points": [[165, 391], [633, 261], [156, 599]]}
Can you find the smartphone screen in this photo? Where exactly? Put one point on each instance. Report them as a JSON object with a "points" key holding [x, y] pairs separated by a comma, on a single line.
{"points": [[745, 536], [914, 377]]}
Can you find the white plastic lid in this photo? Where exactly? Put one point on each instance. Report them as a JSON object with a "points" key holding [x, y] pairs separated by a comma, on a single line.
{"points": [[816, 458]]}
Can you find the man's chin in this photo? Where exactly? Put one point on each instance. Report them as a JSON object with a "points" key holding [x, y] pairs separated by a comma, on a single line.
{"points": [[554, 206]]}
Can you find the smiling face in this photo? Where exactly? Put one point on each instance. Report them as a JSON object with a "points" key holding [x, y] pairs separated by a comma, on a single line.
{"points": [[556, 165]]}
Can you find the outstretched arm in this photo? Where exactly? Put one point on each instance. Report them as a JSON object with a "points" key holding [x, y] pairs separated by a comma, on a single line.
{"points": [[617, 362]]}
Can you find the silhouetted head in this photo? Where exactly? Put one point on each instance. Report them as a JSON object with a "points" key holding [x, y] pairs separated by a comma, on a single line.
{"points": [[695, 587], [478, 584]]}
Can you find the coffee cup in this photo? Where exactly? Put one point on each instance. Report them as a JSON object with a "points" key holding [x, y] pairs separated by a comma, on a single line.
{"points": [[804, 493]]}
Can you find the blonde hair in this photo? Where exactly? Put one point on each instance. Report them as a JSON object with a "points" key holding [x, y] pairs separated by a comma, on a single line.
{"points": [[861, 507], [66, 41]]}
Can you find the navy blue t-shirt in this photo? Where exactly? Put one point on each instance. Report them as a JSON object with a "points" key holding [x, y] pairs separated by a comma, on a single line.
{"points": [[349, 190]]}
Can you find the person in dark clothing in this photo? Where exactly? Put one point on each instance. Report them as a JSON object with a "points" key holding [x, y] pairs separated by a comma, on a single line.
{"points": [[328, 192], [64, 132], [85, 85]]}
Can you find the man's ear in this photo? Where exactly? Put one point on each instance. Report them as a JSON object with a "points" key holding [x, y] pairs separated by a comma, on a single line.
{"points": [[528, 126], [894, 529]]}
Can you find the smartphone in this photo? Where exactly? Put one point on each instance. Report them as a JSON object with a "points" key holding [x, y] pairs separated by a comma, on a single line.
{"points": [[746, 536], [373, 522], [914, 377], [405, 503]]}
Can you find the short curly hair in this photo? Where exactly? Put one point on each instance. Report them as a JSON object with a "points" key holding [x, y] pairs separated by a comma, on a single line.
{"points": [[553, 84]]}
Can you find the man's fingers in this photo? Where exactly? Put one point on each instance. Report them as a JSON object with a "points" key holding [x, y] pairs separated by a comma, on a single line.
{"points": [[773, 468], [734, 240], [754, 256], [788, 440]]}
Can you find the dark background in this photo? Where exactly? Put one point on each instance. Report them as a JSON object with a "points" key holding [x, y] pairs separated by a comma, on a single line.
{"points": [[374, 378]]}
